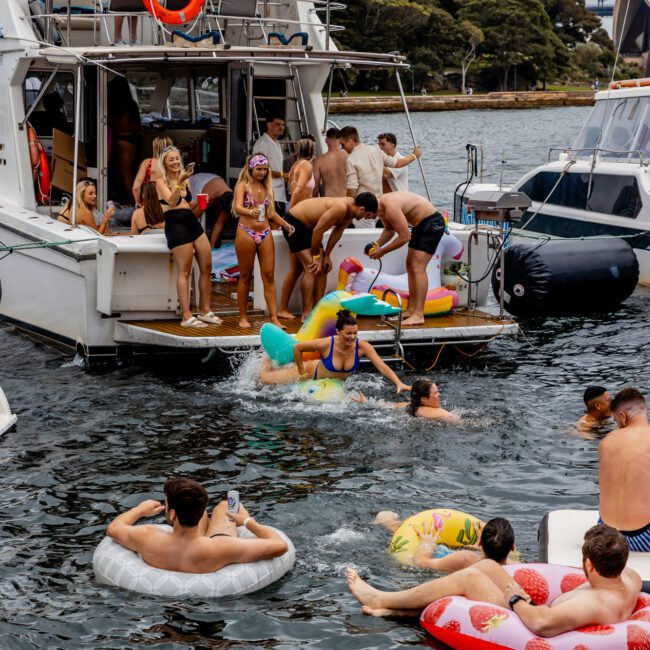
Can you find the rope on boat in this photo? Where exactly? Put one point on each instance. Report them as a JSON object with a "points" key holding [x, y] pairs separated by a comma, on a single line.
{"points": [[41, 244]]}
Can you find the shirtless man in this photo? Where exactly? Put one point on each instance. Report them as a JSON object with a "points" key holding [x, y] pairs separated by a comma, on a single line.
{"points": [[608, 596], [624, 470], [496, 541], [329, 169], [598, 403], [398, 211], [312, 218], [197, 544]]}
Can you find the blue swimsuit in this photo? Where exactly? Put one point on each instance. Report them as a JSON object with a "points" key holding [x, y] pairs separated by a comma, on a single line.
{"points": [[328, 362], [637, 540]]}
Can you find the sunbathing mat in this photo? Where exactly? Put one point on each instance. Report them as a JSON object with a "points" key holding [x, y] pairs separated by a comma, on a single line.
{"points": [[224, 263]]}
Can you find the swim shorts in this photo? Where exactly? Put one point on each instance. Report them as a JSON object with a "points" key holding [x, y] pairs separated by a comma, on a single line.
{"points": [[301, 239], [427, 234], [637, 540]]}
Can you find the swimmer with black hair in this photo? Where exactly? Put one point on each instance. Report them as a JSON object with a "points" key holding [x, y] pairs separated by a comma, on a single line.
{"points": [[339, 357], [425, 402], [598, 403]]}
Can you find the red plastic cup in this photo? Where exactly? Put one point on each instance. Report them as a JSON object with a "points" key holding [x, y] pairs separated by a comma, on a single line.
{"points": [[203, 201]]}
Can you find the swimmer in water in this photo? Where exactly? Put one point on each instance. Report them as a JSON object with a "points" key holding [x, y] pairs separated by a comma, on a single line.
{"points": [[598, 403], [339, 357], [425, 402], [496, 541]]}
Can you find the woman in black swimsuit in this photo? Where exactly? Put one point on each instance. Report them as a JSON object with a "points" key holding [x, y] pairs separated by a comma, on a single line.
{"points": [[150, 215], [185, 237]]}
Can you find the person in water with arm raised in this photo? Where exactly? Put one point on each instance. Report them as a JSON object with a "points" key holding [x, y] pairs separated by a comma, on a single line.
{"points": [[339, 357], [198, 543]]}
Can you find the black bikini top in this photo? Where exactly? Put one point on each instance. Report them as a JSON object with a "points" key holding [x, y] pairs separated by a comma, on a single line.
{"points": [[188, 198]]}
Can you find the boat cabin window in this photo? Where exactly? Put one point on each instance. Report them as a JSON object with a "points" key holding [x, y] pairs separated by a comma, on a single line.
{"points": [[618, 126], [55, 110], [607, 193]]}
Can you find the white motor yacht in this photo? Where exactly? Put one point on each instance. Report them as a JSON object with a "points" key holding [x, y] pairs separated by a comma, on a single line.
{"points": [[104, 296], [600, 186]]}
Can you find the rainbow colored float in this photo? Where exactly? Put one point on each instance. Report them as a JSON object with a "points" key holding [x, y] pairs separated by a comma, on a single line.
{"points": [[439, 300], [469, 625], [320, 323]]}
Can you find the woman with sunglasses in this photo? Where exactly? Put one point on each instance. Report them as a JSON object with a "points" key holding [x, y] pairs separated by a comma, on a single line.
{"points": [[253, 204], [185, 237], [87, 213]]}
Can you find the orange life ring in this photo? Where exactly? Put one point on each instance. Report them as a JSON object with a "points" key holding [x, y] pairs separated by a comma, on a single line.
{"points": [[32, 140], [179, 17], [629, 83], [40, 167]]}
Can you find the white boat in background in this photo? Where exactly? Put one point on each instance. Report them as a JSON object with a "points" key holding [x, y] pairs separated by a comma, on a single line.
{"points": [[598, 187], [7, 418], [111, 296]]}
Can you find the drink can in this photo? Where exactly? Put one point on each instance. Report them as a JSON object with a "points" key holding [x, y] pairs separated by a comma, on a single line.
{"points": [[233, 501], [110, 204], [262, 215]]}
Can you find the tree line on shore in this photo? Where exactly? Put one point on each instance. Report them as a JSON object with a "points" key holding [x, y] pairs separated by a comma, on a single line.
{"points": [[488, 44]]}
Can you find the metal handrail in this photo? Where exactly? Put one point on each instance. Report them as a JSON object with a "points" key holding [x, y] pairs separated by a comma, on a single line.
{"points": [[595, 150], [399, 350]]}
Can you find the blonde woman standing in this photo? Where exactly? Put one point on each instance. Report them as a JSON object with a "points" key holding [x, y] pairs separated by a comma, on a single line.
{"points": [[87, 213], [301, 187], [254, 205], [185, 236], [149, 171]]}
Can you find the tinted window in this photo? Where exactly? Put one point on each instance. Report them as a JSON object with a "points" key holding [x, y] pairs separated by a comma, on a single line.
{"points": [[618, 195]]}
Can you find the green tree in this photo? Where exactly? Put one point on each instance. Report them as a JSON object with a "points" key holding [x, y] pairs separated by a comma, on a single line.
{"points": [[473, 38], [516, 32], [571, 21]]}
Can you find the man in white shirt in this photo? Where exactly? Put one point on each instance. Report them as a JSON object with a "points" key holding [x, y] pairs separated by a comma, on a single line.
{"points": [[269, 145], [394, 179], [365, 167]]}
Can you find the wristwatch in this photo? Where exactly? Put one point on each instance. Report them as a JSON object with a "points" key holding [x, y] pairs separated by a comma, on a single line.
{"points": [[514, 600]]}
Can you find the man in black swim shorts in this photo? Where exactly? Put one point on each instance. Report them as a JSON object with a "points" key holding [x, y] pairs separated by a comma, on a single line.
{"points": [[409, 217], [312, 218]]}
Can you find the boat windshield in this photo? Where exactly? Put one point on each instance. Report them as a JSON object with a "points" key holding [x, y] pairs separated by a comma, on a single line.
{"points": [[618, 127]]}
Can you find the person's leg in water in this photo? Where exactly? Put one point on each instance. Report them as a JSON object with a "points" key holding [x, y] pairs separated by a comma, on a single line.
{"points": [[287, 287], [484, 581], [283, 375], [219, 523], [245, 250], [416, 267], [266, 255]]}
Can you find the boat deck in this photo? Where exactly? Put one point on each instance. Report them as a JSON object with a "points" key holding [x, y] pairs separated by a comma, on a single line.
{"points": [[461, 326]]}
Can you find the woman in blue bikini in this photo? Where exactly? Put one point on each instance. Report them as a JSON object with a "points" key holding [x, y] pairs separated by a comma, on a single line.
{"points": [[253, 205], [339, 357]]}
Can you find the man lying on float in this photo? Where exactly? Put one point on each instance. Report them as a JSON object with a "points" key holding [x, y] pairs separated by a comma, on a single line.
{"points": [[197, 544], [609, 597]]}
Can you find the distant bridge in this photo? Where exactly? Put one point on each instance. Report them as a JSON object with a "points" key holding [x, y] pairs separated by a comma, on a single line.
{"points": [[602, 7]]}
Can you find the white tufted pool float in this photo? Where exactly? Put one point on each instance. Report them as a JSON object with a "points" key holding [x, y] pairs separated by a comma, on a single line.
{"points": [[118, 566]]}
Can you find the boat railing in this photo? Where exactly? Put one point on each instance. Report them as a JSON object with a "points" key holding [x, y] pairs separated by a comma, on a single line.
{"points": [[57, 25], [568, 153]]}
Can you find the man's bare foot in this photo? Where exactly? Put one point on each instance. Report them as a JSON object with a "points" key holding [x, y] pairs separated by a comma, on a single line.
{"points": [[277, 323], [304, 317], [366, 595], [388, 519], [244, 323], [405, 315], [286, 314], [413, 320]]}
